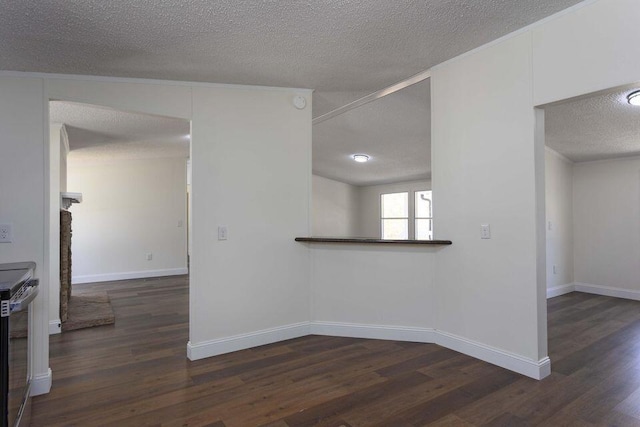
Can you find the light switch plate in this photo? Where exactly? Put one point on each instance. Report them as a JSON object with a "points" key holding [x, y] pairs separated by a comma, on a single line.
{"points": [[222, 232], [6, 233]]}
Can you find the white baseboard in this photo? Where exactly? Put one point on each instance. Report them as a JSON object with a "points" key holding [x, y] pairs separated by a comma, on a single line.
{"points": [[534, 369], [560, 290], [243, 341], [513, 362], [41, 384], [594, 289], [377, 332], [607, 291], [55, 327], [531, 368], [110, 277]]}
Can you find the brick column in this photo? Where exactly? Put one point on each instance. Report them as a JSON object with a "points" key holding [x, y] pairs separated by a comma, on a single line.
{"points": [[65, 263]]}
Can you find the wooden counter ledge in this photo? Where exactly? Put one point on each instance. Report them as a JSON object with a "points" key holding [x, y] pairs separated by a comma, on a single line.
{"points": [[371, 240]]}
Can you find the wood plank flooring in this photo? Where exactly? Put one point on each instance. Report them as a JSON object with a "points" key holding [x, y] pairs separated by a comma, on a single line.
{"points": [[135, 373]]}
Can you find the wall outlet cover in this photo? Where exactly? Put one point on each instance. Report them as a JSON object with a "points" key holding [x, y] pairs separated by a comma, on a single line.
{"points": [[6, 233], [223, 233]]}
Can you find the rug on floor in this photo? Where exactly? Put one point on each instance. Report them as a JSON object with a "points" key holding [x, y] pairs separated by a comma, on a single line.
{"points": [[86, 311]]}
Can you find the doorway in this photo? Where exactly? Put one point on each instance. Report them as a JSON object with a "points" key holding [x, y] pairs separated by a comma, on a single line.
{"points": [[129, 172], [592, 164]]}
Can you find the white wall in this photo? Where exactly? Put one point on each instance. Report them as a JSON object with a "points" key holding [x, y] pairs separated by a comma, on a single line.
{"points": [[189, 216], [130, 208], [369, 204], [57, 162], [251, 160], [585, 50], [488, 166], [64, 152], [606, 206], [378, 286], [335, 208], [24, 142], [484, 173], [559, 208]]}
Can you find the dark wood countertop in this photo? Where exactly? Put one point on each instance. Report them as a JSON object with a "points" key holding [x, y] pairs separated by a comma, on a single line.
{"points": [[372, 241]]}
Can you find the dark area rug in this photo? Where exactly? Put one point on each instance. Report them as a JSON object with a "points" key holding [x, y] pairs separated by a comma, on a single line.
{"points": [[86, 311]]}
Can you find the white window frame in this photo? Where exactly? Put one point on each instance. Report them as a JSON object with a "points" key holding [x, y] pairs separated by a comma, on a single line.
{"points": [[407, 218], [411, 197]]}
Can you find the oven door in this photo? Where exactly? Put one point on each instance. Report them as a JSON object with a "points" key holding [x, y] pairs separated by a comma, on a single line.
{"points": [[19, 369]]}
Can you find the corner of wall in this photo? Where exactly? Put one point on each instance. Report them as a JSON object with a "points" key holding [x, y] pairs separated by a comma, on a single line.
{"points": [[41, 384]]}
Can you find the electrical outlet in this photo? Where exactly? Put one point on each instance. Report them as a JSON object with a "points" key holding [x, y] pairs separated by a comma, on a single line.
{"points": [[149, 256], [223, 233], [555, 270], [6, 233], [485, 231]]}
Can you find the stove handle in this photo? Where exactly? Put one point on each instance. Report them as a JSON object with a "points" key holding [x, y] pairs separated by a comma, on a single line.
{"points": [[30, 293]]}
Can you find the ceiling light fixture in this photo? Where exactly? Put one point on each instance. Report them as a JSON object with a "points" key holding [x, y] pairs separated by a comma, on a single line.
{"points": [[634, 98], [361, 158]]}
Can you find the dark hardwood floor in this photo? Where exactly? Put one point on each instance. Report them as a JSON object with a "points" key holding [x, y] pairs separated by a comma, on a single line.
{"points": [[135, 373]]}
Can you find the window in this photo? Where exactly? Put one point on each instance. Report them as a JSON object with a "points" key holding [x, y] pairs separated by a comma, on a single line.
{"points": [[423, 215], [402, 217], [395, 216]]}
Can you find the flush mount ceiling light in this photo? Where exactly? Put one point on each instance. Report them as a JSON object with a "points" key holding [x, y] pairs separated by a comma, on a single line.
{"points": [[360, 158], [634, 98]]}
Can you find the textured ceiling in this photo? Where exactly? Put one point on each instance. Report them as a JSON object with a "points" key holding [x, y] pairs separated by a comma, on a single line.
{"points": [[598, 127], [99, 133], [394, 130], [339, 48], [342, 49]]}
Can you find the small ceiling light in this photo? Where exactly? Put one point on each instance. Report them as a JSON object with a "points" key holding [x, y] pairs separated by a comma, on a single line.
{"points": [[360, 158], [634, 98]]}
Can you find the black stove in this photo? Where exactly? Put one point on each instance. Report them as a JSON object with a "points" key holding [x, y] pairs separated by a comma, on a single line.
{"points": [[18, 289]]}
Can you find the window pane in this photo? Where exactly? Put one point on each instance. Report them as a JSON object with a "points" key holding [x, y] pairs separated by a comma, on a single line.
{"points": [[395, 205], [395, 229], [423, 204], [424, 229]]}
